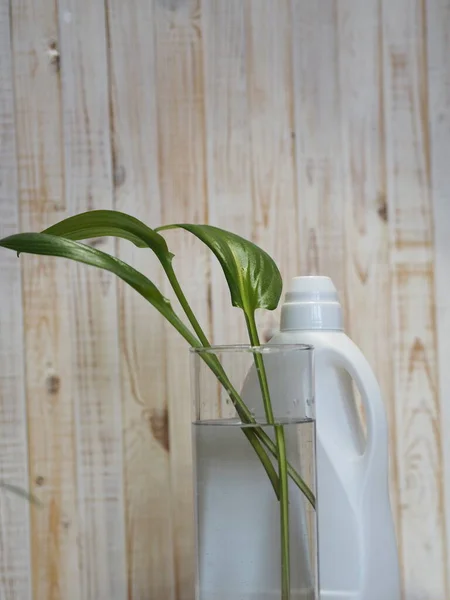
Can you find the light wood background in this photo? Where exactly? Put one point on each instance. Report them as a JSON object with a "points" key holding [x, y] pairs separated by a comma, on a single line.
{"points": [[318, 128]]}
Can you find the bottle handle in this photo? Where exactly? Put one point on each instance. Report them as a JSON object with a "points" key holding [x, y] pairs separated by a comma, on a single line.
{"points": [[349, 357]]}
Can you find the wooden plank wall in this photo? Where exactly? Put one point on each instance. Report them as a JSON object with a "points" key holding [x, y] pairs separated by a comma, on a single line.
{"points": [[319, 129]]}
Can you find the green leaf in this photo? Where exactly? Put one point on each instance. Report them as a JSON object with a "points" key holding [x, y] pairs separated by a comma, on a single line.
{"points": [[101, 223], [98, 223], [52, 245], [252, 276]]}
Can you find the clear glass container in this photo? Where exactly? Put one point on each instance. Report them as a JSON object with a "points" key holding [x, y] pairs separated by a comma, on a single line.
{"points": [[255, 475]]}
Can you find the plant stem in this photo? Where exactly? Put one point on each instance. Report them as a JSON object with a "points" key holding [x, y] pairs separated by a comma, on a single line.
{"points": [[242, 410], [185, 304], [296, 478], [280, 483], [260, 369], [284, 513], [262, 455], [282, 462], [214, 364], [247, 417]]}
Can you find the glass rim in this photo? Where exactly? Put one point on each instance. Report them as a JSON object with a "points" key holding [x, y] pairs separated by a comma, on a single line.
{"points": [[261, 349]]}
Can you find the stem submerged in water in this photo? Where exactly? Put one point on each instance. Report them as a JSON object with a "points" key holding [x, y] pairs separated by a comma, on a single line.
{"points": [[284, 513], [283, 495], [280, 483], [245, 415]]}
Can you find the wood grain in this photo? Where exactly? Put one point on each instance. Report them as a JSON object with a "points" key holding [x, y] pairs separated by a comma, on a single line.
{"points": [[182, 179], [438, 48], [230, 204], [47, 308], [15, 581], [272, 134], [368, 283], [142, 345], [319, 129], [418, 415], [318, 141], [96, 378]]}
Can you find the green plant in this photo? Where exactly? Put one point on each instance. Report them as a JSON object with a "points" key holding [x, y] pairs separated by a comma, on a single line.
{"points": [[254, 282]]}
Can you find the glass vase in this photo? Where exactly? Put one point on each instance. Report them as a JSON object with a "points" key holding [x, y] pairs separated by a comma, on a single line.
{"points": [[255, 473]]}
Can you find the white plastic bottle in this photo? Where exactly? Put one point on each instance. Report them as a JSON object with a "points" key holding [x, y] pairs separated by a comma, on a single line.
{"points": [[357, 548]]}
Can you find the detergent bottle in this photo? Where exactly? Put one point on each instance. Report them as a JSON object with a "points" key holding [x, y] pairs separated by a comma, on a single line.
{"points": [[357, 547]]}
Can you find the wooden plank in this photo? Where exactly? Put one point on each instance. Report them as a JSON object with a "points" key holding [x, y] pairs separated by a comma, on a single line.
{"points": [[438, 19], [366, 219], [228, 150], [318, 141], [15, 581], [47, 312], [94, 342], [410, 217], [142, 341], [272, 134], [182, 178]]}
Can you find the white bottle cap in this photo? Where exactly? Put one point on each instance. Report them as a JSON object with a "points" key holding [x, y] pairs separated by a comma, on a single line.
{"points": [[311, 303]]}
